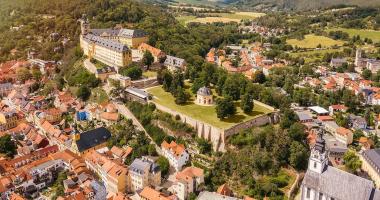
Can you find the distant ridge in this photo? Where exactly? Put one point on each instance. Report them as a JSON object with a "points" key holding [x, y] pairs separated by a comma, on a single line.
{"points": [[302, 4]]}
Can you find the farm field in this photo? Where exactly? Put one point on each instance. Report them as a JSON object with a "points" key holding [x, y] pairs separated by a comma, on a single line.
{"points": [[312, 41], [204, 113], [371, 34], [313, 55], [220, 17]]}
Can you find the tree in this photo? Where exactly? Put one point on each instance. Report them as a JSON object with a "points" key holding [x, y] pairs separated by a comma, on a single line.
{"points": [[232, 87], [164, 165], [366, 74], [369, 117], [341, 120], [148, 59], [36, 73], [352, 161], [246, 103], [182, 96], [7, 146], [23, 74], [134, 72], [225, 107], [298, 155], [83, 92], [58, 189], [204, 145], [288, 118], [192, 196], [297, 132]]}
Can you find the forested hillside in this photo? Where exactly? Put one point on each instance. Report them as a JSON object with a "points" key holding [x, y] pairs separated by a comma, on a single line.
{"points": [[37, 19]]}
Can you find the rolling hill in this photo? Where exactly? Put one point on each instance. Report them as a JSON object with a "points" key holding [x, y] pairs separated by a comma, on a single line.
{"points": [[279, 4]]}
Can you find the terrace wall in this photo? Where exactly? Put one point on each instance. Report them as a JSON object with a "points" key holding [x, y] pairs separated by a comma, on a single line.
{"points": [[144, 83], [216, 135]]}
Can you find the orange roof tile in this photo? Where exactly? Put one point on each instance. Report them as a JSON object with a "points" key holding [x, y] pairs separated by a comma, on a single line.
{"points": [[343, 131], [146, 47], [151, 194], [176, 149]]}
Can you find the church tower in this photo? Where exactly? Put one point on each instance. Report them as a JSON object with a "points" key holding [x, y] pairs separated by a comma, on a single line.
{"points": [[319, 156], [84, 25]]}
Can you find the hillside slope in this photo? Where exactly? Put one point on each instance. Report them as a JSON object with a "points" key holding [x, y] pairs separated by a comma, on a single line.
{"points": [[301, 4], [279, 4]]}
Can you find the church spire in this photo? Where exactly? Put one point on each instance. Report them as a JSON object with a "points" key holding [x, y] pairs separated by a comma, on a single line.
{"points": [[318, 158]]}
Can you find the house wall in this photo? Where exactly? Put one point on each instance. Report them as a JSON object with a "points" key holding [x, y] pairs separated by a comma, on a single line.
{"points": [[370, 170]]}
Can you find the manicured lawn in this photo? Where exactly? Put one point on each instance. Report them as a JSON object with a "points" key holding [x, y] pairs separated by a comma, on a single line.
{"points": [[312, 41], [98, 95], [313, 55], [203, 113], [371, 34], [149, 74]]}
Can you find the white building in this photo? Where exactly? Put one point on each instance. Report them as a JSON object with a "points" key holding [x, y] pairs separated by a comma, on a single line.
{"points": [[144, 172], [188, 181], [323, 182], [174, 63], [176, 154]]}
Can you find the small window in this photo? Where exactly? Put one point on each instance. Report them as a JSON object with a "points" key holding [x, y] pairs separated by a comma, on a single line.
{"points": [[315, 165], [320, 196], [307, 192]]}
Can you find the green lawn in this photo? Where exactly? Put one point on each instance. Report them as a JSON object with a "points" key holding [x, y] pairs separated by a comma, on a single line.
{"points": [[203, 113], [150, 74], [371, 34], [98, 95], [313, 55], [312, 41]]}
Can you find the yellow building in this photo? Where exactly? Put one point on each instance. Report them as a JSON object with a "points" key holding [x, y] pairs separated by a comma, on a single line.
{"points": [[110, 46], [371, 164], [8, 120], [111, 171], [107, 51]]}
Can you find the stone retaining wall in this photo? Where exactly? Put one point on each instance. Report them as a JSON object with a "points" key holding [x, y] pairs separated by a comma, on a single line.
{"points": [[144, 83], [216, 135]]}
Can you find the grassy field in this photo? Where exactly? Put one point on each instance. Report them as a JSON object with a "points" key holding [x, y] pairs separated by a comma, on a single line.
{"points": [[371, 34], [312, 41], [313, 55], [204, 113], [149, 74], [220, 17]]}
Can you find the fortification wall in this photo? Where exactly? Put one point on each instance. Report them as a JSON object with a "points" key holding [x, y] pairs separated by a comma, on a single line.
{"points": [[216, 135]]}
